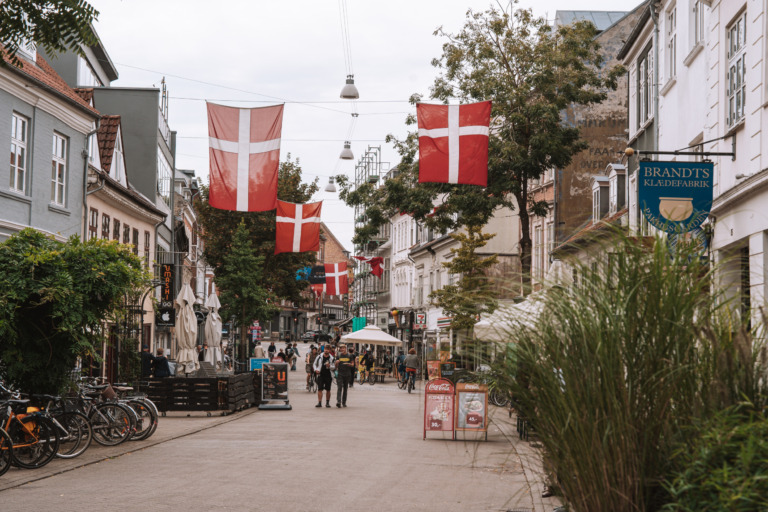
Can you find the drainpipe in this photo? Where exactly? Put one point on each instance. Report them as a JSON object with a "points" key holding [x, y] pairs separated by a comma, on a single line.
{"points": [[86, 154], [655, 16]]}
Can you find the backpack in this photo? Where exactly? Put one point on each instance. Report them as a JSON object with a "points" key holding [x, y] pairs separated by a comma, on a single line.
{"points": [[288, 353]]}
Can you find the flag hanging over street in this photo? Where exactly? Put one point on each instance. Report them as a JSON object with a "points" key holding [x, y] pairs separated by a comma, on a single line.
{"points": [[453, 143], [375, 264], [298, 227], [336, 278], [244, 151], [318, 289]]}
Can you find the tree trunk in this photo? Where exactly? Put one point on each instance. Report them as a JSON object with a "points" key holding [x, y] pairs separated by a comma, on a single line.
{"points": [[525, 240]]}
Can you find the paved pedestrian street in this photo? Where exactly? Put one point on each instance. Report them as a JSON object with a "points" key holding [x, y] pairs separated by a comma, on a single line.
{"points": [[369, 456]]}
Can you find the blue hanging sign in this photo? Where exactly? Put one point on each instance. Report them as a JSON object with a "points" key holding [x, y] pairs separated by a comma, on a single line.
{"points": [[676, 197]]}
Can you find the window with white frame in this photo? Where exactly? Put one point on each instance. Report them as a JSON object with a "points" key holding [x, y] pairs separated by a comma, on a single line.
{"points": [[163, 177], [538, 252], [595, 206], [697, 22], [645, 87], [85, 75], [550, 237], [59, 170], [19, 125], [118, 161], [737, 68], [671, 22]]}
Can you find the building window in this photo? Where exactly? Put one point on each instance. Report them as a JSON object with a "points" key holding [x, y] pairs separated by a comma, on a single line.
{"points": [[126, 234], [18, 152], [93, 224], [595, 206], [163, 177], [645, 87], [85, 75], [737, 68], [698, 22], [105, 227], [538, 252], [146, 248], [118, 160], [672, 43], [59, 170], [116, 230], [135, 241], [550, 237]]}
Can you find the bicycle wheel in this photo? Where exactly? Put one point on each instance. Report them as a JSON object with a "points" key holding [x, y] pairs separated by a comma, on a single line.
{"points": [[147, 423], [411, 383], [401, 383], [77, 435], [498, 399], [6, 452], [371, 378], [35, 441], [111, 424]]}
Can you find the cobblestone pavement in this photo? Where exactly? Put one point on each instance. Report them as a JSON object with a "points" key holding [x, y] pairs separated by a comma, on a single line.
{"points": [[369, 456]]}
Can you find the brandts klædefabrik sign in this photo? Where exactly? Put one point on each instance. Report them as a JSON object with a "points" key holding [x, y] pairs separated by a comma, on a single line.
{"points": [[675, 196]]}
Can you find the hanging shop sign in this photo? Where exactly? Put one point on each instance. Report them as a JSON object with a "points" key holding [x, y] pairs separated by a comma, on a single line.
{"points": [[675, 197], [438, 406], [166, 286], [433, 370], [444, 322], [472, 407], [165, 317]]}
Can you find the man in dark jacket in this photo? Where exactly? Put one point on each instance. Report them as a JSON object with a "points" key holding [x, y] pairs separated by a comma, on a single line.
{"points": [[146, 362], [161, 367]]}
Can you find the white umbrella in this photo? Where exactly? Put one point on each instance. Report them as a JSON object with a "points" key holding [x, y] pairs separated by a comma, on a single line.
{"points": [[507, 317], [213, 331], [372, 335], [186, 329]]}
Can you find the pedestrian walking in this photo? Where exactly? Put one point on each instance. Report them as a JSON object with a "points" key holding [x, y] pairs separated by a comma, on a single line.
{"points": [[296, 356], [311, 356], [258, 351], [201, 355], [344, 366], [324, 366]]}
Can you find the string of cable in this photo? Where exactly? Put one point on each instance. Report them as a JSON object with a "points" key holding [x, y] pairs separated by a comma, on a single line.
{"points": [[345, 39]]}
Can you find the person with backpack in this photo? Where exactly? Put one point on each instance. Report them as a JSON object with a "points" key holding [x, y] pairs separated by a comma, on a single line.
{"points": [[289, 354], [323, 367]]}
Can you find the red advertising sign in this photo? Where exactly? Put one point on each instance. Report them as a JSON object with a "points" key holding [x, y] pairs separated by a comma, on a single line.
{"points": [[433, 370], [438, 406], [472, 407]]}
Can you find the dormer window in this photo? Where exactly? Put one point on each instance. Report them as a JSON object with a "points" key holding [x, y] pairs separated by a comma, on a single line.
{"points": [[599, 198], [28, 50], [616, 188]]}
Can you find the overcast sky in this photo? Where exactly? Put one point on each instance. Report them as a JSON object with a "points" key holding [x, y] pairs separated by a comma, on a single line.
{"points": [[258, 52]]}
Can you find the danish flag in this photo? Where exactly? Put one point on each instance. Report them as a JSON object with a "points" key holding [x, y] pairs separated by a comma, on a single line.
{"points": [[375, 264], [336, 279], [298, 227], [244, 152], [453, 143]]}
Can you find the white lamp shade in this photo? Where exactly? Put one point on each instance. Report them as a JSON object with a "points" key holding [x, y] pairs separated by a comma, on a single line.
{"points": [[330, 187], [346, 153], [349, 91]]}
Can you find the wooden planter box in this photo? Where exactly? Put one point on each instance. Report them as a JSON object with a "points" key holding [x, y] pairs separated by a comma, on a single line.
{"points": [[204, 394]]}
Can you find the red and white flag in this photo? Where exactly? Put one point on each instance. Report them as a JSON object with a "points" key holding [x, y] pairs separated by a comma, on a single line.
{"points": [[453, 143], [298, 227], [244, 152], [318, 289], [375, 264], [336, 279]]}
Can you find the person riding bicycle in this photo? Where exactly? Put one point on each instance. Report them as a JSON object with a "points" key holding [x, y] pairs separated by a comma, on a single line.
{"points": [[368, 361], [400, 365], [411, 364]]}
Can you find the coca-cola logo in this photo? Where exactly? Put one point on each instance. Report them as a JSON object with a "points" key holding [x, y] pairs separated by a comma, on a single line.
{"points": [[440, 388], [472, 386]]}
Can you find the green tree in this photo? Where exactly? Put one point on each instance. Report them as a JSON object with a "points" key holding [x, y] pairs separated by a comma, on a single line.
{"points": [[218, 228], [239, 278], [56, 298], [531, 73], [472, 295], [55, 25]]}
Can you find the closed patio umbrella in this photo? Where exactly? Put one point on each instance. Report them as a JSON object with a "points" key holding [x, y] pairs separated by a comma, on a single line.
{"points": [[186, 330], [213, 331]]}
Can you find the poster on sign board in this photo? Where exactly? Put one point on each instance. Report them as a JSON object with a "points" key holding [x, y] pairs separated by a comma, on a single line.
{"points": [[471, 406], [433, 370], [274, 384], [438, 406]]}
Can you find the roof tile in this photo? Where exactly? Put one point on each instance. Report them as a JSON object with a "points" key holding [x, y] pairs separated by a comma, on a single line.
{"points": [[108, 128]]}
